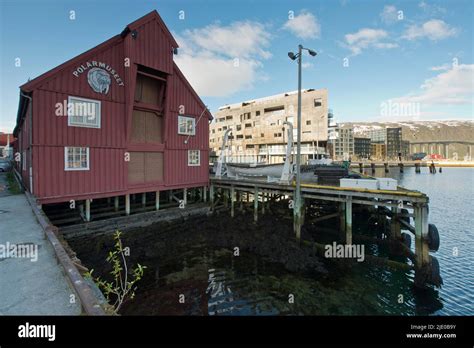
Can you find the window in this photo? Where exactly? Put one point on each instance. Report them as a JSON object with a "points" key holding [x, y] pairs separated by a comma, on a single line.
{"points": [[277, 135], [240, 136], [257, 113], [247, 116], [308, 122], [150, 89], [248, 137], [76, 158], [274, 108], [194, 157], [318, 102], [262, 135], [239, 127], [229, 117], [213, 131], [186, 125], [83, 112], [248, 125]]}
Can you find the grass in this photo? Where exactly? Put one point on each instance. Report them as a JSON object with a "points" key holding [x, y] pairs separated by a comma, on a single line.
{"points": [[12, 184]]}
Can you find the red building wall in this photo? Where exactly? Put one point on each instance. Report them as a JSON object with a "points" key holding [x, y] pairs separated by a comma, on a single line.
{"points": [[152, 46]]}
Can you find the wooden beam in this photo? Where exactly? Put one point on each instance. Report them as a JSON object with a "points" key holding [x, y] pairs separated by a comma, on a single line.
{"points": [[116, 203], [127, 204], [255, 204], [232, 201], [348, 220], [88, 210], [157, 200]]}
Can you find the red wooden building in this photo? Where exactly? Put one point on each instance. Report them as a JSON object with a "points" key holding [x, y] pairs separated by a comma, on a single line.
{"points": [[118, 119]]}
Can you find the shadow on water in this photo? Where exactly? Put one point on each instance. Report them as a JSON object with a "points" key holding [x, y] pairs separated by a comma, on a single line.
{"points": [[193, 269]]}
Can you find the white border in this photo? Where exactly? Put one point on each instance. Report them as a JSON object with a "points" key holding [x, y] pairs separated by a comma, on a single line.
{"points": [[65, 158], [85, 100]]}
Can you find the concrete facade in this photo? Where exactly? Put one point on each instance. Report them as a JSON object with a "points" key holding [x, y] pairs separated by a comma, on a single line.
{"points": [[258, 132]]}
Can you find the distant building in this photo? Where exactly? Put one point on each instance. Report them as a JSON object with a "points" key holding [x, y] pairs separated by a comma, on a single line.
{"points": [[405, 149], [378, 151], [6, 149], [392, 139], [362, 147], [343, 144], [259, 132], [377, 135], [394, 142]]}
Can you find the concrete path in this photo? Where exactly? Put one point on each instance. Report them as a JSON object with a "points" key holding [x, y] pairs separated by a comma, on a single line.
{"points": [[3, 186], [26, 287]]}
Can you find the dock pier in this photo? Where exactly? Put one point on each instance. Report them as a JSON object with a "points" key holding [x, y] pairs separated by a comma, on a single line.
{"points": [[394, 206]]}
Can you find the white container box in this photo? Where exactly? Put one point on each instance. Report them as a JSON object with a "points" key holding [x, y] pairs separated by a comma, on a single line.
{"points": [[359, 183], [387, 184]]}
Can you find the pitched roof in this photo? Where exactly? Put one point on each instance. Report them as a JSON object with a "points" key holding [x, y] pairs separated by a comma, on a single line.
{"points": [[153, 15]]}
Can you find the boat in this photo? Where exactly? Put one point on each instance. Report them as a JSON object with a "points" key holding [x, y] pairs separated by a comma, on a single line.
{"points": [[255, 170]]}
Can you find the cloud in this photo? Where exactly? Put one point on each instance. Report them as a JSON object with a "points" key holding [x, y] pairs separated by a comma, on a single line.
{"points": [[389, 15], [431, 10], [366, 38], [305, 26], [239, 39], [222, 60], [453, 86], [440, 67], [435, 29]]}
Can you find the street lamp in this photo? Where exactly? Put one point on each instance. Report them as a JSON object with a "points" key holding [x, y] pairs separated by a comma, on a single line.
{"points": [[297, 221]]}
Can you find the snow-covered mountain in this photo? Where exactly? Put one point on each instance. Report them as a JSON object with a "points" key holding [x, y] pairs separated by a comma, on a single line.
{"points": [[461, 130]]}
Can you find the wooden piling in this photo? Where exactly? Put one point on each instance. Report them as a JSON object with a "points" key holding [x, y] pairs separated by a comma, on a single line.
{"points": [[361, 166], [255, 205], [143, 200], [88, 210], [127, 204], [348, 213], [116, 203], [232, 201], [422, 251], [157, 200], [211, 196], [386, 167]]}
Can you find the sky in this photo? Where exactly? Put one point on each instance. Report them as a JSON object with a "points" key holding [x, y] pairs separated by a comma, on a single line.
{"points": [[379, 60]]}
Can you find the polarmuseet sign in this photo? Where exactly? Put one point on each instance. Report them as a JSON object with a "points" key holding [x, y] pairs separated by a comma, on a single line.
{"points": [[99, 75]]}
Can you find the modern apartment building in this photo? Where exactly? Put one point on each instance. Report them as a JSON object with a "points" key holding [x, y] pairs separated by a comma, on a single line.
{"points": [[392, 139], [343, 144], [258, 129], [362, 147]]}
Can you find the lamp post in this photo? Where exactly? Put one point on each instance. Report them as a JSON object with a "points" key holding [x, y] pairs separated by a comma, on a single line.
{"points": [[297, 204]]}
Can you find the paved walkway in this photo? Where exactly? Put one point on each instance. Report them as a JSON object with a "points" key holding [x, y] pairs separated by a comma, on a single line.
{"points": [[26, 287]]}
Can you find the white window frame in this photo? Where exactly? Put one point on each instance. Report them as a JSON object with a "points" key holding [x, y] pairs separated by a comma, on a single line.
{"points": [[70, 123], [198, 158], [186, 119], [66, 150]]}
